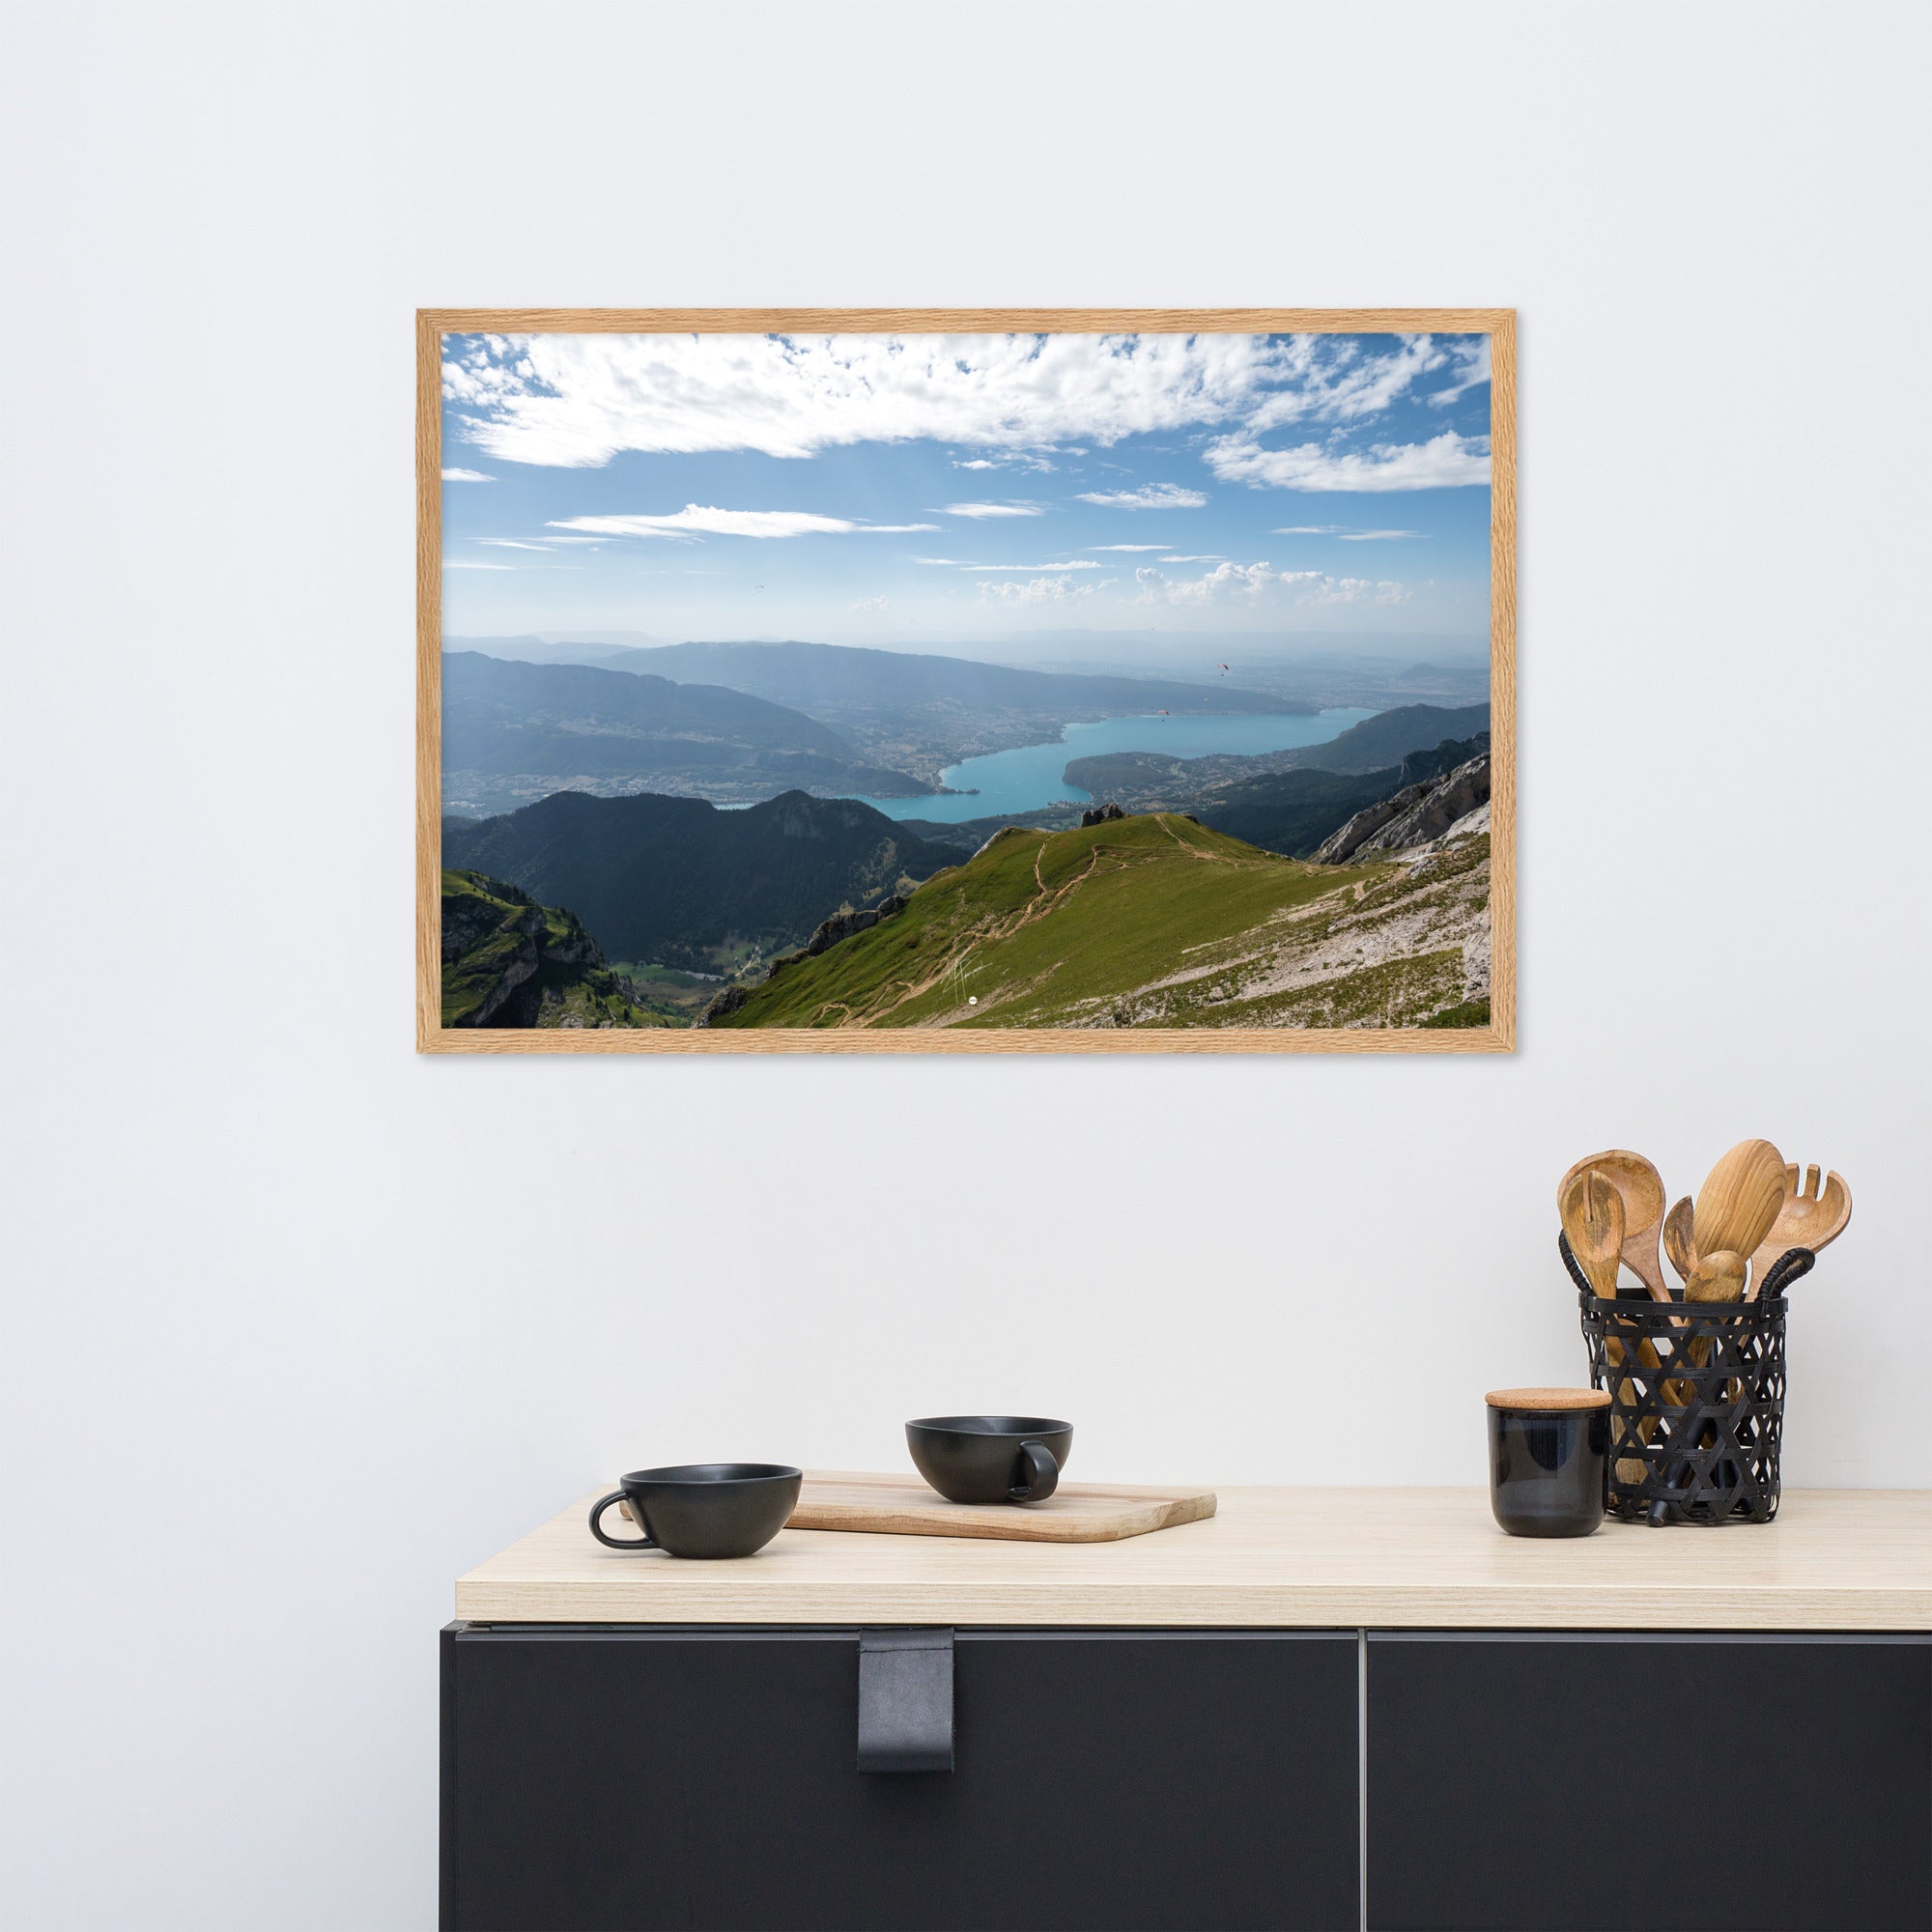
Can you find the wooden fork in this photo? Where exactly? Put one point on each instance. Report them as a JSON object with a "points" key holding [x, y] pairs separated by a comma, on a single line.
{"points": [[1809, 1216]]}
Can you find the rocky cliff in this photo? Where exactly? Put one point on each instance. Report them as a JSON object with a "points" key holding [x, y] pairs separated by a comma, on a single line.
{"points": [[1409, 817], [508, 961]]}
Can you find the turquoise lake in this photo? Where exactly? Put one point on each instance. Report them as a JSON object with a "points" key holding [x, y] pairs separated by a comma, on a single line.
{"points": [[1029, 776]]}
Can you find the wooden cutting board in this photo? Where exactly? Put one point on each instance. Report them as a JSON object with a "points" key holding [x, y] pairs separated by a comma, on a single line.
{"points": [[1075, 1513]]}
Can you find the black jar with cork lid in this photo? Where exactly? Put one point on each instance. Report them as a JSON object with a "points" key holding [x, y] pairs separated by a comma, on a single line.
{"points": [[1549, 1459]]}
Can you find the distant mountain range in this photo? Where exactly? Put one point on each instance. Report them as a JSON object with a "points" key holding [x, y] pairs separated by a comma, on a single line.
{"points": [[1150, 778], [512, 731], [1153, 920], [584, 647], [1319, 669], [905, 714], [1390, 736], [676, 881], [837, 682]]}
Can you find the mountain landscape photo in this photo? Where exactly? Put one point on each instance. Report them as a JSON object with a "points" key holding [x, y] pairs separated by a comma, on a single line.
{"points": [[1124, 683]]}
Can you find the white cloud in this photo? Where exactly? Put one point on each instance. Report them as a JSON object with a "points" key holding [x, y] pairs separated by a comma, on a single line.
{"points": [[1443, 461], [1343, 531], [992, 510], [870, 604], [1127, 546], [1257, 583], [1205, 556], [576, 401], [1217, 585], [470, 563], [465, 476], [1148, 497], [697, 519], [510, 543], [1362, 590], [1029, 460], [1471, 366], [1335, 379], [1037, 590], [953, 563]]}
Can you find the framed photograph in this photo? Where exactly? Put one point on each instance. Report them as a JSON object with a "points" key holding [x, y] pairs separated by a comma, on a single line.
{"points": [[958, 680]]}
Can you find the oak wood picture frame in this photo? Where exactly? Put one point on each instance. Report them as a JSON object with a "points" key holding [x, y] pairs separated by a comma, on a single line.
{"points": [[1497, 1036]]}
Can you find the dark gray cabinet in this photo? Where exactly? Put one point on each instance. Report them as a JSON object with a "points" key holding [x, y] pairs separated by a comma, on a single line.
{"points": [[609, 1778], [1581, 1783]]}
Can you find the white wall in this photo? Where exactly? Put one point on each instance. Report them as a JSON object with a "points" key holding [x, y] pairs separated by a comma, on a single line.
{"points": [[299, 1325]]}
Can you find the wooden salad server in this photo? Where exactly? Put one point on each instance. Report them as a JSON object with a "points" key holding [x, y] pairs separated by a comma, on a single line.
{"points": [[1809, 1216], [1592, 1212], [1641, 1187]]}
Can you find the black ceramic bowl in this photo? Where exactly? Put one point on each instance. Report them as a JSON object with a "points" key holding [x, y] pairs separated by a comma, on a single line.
{"points": [[704, 1509], [990, 1458]]}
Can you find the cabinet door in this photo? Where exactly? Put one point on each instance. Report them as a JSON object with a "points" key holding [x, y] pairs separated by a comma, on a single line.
{"points": [[595, 1779], [1623, 1783]]}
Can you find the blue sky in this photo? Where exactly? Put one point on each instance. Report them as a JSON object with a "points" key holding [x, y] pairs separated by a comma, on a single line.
{"points": [[931, 489]]}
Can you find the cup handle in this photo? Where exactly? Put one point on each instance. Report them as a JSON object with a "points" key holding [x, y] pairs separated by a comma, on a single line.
{"points": [[597, 1510], [1041, 1475]]}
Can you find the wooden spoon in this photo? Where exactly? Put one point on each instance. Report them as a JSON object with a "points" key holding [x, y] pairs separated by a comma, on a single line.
{"points": [[1716, 1277], [1641, 1187], [1680, 1238], [1807, 1217], [1593, 1217], [1739, 1200]]}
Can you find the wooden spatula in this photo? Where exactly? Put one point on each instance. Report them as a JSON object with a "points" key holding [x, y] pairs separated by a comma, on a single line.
{"points": [[1740, 1199], [1641, 1188]]}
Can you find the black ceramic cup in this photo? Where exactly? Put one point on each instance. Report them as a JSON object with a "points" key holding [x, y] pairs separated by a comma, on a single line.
{"points": [[1549, 1459], [702, 1509], [990, 1458]]}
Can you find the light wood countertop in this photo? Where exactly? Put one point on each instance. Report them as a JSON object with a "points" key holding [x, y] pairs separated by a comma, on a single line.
{"points": [[1835, 1559]]}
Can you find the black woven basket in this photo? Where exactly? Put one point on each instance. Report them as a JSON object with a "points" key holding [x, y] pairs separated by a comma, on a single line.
{"points": [[1696, 1400]]}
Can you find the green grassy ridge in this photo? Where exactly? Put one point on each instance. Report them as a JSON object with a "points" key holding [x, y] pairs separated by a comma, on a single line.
{"points": [[1418, 988], [1049, 930]]}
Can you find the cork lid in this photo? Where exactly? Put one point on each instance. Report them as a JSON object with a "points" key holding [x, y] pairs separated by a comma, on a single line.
{"points": [[1548, 1401]]}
